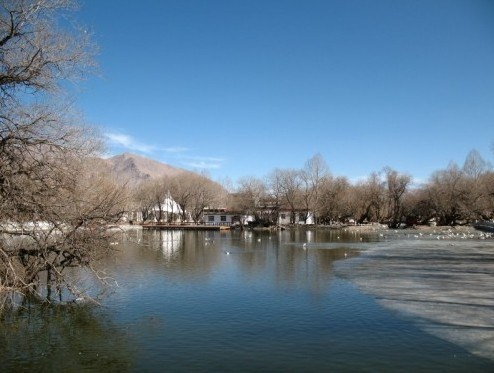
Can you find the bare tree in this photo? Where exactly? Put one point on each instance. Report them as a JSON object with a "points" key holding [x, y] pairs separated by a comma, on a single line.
{"points": [[182, 192], [417, 207], [370, 197], [475, 165], [397, 185], [287, 183], [157, 192], [55, 210], [447, 193], [191, 192], [334, 200], [37, 54], [487, 184], [312, 175], [251, 197], [275, 193], [142, 199], [203, 193], [477, 197]]}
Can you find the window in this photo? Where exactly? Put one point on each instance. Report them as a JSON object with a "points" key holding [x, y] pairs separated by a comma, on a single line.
{"points": [[223, 217], [211, 218], [283, 216]]}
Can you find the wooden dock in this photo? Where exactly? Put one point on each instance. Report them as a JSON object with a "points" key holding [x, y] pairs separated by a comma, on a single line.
{"points": [[186, 227]]}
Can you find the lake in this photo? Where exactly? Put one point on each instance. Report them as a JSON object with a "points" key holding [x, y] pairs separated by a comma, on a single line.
{"points": [[291, 301]]}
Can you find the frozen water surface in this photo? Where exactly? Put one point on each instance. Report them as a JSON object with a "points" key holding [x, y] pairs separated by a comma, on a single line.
{"points": [[443, 279]]}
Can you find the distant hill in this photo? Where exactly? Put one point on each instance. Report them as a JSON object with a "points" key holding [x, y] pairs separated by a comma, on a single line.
{"points": [[133, 168]]}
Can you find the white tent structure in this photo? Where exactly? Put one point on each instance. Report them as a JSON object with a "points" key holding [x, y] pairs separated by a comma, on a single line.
{"points": [[170, 210]]}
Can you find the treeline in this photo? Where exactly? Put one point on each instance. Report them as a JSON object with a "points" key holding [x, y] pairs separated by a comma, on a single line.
{"points": [[455, 195], [191, 192]]}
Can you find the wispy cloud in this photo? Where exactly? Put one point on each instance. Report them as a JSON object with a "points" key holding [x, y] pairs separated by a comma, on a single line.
{"points": [[203, 162], [129, 143]]}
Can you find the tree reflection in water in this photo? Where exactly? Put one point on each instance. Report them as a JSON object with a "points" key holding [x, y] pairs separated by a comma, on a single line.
{"points": [[62, 338]]}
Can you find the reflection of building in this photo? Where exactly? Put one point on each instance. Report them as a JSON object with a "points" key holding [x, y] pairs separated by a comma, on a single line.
{"points": [[171, 241]]}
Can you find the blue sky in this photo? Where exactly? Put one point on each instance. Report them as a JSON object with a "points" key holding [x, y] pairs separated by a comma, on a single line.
{"points": [[241, 87]]}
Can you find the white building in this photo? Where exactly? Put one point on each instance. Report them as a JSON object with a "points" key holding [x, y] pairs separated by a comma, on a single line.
{"points": [[170, 211], [167, 211], [224, 217], [284, 217]]}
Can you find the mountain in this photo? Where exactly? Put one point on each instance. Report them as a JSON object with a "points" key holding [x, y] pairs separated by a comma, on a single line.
{"points": [[133, 168]]}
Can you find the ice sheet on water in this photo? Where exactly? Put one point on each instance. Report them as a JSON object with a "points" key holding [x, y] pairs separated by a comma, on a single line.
{"points": [[446, 284]]}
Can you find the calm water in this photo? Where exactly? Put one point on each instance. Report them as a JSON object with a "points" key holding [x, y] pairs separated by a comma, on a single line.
{"points": [[252, 301]]}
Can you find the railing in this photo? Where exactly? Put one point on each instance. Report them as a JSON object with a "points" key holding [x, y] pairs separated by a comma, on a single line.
{"points": [[191, 224], [220, 224]]}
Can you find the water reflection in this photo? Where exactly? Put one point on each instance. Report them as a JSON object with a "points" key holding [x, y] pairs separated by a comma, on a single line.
{"points": [[274, 257], [171, 242], [75, 338], [242, 301], [278, 258]]}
